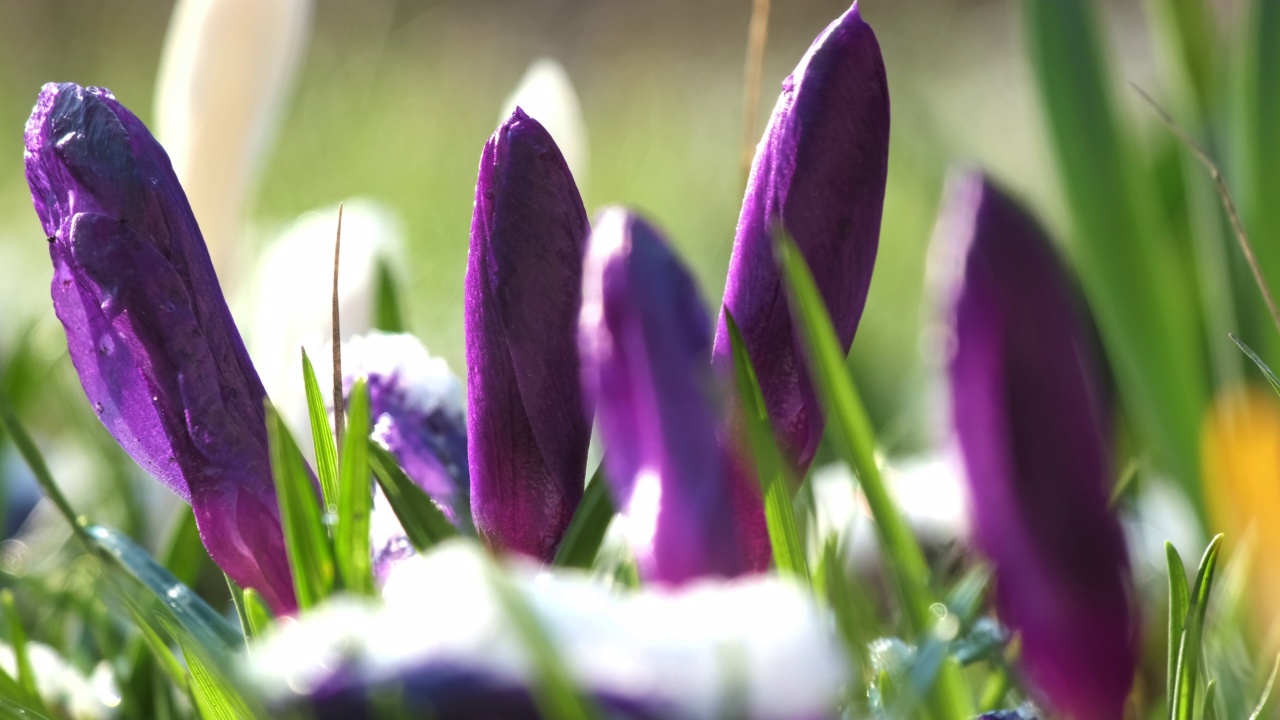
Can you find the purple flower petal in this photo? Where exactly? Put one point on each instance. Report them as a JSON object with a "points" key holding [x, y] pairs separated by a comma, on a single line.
{"points": [[819, 175], [1028, 410], [527, 431], [646, 343], [148, 329]]}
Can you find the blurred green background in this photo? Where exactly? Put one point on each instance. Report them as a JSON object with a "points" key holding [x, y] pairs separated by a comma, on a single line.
{"points": [[396, 99]]}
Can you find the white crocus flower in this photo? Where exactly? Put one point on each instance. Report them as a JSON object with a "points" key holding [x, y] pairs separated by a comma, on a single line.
{"points": [[546, 94], [63, 688], [225, 74]]}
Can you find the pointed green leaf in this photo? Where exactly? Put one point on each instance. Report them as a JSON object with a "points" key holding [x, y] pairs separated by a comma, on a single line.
{"points": [[321, 436], [355, 497], [387, 313], [1259, 151], [1266, 371], [423, 522], [215, 696], [581, 541], [850, 429], [305, 539], [1131, 279], [1208, 710], [256, 613], [18, 642], [1265, 701], [1179, 604], [771, 469], [1189, 652]]}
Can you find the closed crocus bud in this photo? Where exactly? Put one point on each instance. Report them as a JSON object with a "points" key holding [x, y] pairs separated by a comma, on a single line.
{"points": [[148, 329], [646, 345], [1029, 415], [819, 176], [527, 431]]}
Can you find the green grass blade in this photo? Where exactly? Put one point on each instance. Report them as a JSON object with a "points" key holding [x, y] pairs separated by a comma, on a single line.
{"points": [[388, 310], [1259, 158], [1265, 700], [214, 696], [1266, 371], [581, 541], [321, 436], [39, 468], [18, 641], [553, 690], [1179, 604], [1186, 34], [1208, 709], [1190, 651], [850, 429], [355, 498], [256, 613], [307, 543], [771, 469], [184, 606], [1127, 274], [423, 522]]}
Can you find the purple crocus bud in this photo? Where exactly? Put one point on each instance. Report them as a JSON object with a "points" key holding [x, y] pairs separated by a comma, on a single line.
{"points": [[527, 431], [818, 175], [416, 408], [646, 344], [148, 329], [1028, 408]]}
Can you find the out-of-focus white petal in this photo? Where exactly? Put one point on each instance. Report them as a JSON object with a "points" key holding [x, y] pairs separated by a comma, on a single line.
{"points": [[62, 687], [225, 73], [546, 94], [757, 647], [289, 304]]}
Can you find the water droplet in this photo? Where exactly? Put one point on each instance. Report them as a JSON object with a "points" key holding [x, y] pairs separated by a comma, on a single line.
{"points": [[99, 407]]}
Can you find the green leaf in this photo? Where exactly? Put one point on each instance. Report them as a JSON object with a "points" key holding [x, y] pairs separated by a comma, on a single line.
{"points": [[184, 554], [1190, 48], [581, 541], [387, 312], [35, 461], [1131, 278], [14, 709], [184, 606], [1265, 700], [256, 613], [850, 430], [423, 522], [18, 641], [1179, 604], [553, 690], [355, 497], [215, 696], [1190, 650], [321, 436], [771, 468], [853, 617], [1266, 371], [1208, 709], [1259, 152], [305, 539]]}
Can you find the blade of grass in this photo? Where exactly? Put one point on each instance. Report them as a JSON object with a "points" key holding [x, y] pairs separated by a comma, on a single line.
{"points": [[423, 522], [1266, 371], [771, 469], [256, 613], [1208, 709], [307, 543], [1259, 159], [321, 436], [586, 530], [1190, 651], [553, 690], [1179, 604], [18, 642], [850, 429], [355, 498], [388, 315], [214, 695], [1127, 274], [1264, 701]]}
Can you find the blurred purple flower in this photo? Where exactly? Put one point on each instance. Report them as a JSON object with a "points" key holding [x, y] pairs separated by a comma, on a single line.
{"points": [[148, 329], [527, 430], [1028, 409], [646, 343], [818, 175]]}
